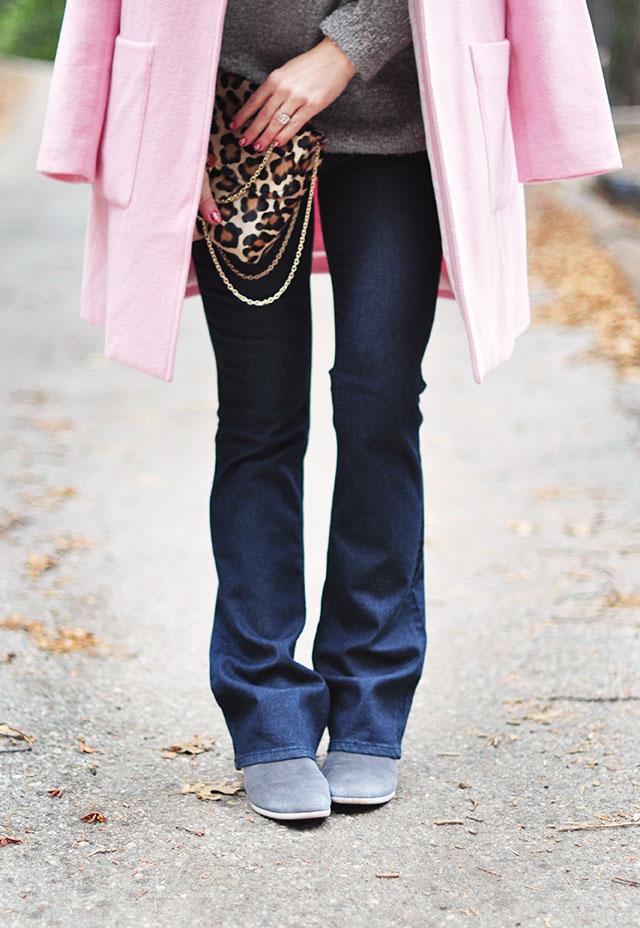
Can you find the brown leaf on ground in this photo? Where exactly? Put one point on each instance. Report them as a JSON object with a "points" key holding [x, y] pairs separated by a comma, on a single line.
{"points": [[7, 839], [54, 425], [55, 792], [213, 791], [618, 600], [9, 521], [64, 640], [72, 543], [587, 286], [522, 527], [48, 497], [70, 639], [16, 623], [197, 745], [37, 564], [15, 734], [93, 817], [84, 748], [10, 656]]}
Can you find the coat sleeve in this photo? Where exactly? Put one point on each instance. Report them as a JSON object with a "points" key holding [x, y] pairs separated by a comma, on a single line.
{"points": [[79, 90], [560, 112], [371, 32]]}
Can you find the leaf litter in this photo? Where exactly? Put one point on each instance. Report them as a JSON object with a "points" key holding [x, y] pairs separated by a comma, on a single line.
{"points": [[587, 285], [93, 817], [214, 791], [198, 745], [64, 639], [18, 741]]}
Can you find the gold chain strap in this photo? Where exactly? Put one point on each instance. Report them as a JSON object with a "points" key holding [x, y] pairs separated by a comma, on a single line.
{"points": [[296, 260], [231, 197], [292, 221]]}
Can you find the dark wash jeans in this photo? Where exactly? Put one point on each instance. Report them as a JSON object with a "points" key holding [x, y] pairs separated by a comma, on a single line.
{"points": [[382, 239]]}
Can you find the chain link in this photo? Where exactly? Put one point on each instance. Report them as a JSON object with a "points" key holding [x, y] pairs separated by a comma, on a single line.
{"points": [[292, 221], [231, 197], [303, 234]]}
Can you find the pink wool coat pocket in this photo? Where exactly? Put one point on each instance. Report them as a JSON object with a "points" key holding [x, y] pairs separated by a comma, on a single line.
{"points": [[512, 92]]}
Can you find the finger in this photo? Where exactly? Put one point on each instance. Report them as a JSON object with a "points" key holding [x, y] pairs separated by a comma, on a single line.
{"points": [[257, 99], [280, 134], [263, 119], [208, 207]]}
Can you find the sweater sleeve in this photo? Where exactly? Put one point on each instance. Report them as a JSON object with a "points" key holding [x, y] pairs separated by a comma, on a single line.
{"points": [[370, 32]]}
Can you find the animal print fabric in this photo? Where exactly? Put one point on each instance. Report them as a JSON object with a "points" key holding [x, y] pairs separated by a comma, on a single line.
{"points": [[253, 223]]}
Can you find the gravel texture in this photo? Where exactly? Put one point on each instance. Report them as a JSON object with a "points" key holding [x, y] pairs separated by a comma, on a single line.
{"points": [[526, 720]]}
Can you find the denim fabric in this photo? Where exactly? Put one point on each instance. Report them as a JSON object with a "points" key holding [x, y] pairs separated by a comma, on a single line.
{"points": [[382, 239]]}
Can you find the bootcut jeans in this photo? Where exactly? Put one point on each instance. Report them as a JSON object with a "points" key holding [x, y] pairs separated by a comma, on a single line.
{"points": [[383, 245]]}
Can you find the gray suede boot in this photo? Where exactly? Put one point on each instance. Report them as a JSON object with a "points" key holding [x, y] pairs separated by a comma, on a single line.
{"points": [[288, 789], [361, 779]]}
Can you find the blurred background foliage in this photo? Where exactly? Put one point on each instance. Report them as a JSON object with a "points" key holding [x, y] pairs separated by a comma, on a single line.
{"points": [[31, 27]]}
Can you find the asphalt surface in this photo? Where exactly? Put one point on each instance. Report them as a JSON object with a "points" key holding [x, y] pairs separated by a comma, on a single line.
{"points": [[525, 724]]}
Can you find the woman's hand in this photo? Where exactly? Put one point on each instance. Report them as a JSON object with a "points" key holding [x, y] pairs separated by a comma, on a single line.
{"points": [[302, 87], [208, 208]]}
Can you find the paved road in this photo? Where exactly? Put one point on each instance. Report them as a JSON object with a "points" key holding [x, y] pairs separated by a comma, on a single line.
{"points": [[526, 720]]}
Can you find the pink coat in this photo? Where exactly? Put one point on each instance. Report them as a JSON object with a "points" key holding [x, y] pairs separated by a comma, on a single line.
{"points": [[512, 92]]}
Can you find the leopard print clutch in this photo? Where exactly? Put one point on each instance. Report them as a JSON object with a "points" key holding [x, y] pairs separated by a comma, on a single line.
{"points": [[258, 194]]}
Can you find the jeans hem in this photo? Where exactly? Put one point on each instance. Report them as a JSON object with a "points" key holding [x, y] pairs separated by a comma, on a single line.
{"points": [[264, 757], [365, 747]]}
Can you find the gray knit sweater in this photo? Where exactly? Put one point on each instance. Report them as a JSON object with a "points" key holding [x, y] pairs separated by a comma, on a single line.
{"points": [[379, 112]]}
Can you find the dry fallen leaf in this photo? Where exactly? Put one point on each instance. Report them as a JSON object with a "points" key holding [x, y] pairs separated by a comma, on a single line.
{"points": [[586, 285], [17, 623], [520, 527], [55, 792], [84, 748], [577, 529], [7, 839], [93, 817], [197, 745], [54, 425], [10, 656], [215, 791], [37, 564], [9, 521], [618, 600], [64, 640], [72, 543], [14, 733], [69, 639], [47, 497]]}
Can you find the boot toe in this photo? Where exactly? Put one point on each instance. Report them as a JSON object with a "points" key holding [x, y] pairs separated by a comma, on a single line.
{"points": [[288, 789], [360, 779]]}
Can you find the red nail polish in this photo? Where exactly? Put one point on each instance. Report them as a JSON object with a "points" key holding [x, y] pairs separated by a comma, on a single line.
{"points": [[257, 146], [276, 143], [215, 215], [232, 124], [242, 141]]}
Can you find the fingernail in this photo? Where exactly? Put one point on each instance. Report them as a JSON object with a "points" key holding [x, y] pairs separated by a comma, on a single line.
{"points": [[232, 124], [276, 143], [242, 141], [215, 215], [257, 146]]}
